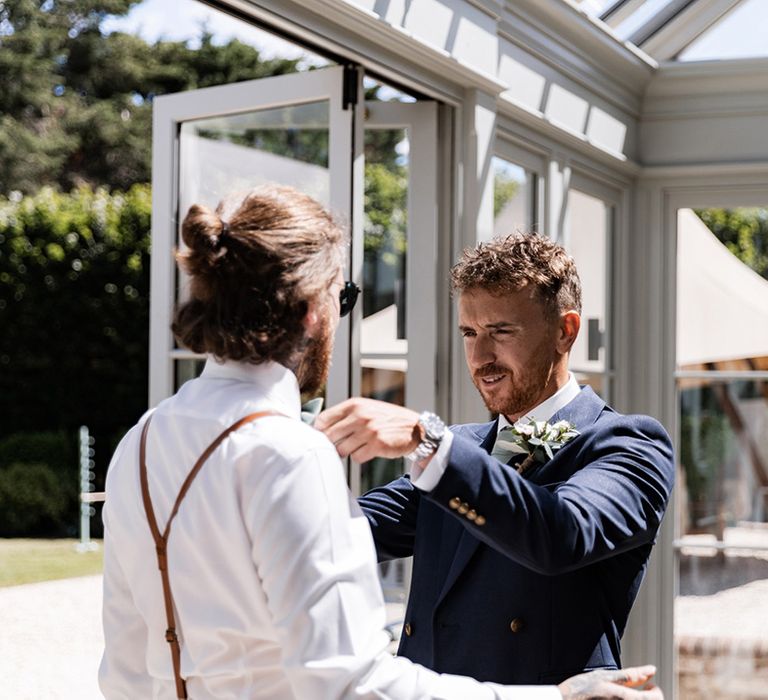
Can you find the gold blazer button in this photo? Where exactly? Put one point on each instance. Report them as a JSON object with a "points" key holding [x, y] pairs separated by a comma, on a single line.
{"points": [[517, 625]]}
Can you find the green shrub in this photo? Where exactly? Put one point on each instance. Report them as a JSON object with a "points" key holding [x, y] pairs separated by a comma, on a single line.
{"points": [[32, 501], [39, 487], [74, 314]]}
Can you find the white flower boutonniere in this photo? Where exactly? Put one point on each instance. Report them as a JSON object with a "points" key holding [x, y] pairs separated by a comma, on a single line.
{"points": [[539, 439]]}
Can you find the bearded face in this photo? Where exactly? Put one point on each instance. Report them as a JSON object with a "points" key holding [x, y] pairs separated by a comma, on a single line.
{"points": [[511, 392], [511, 349]]}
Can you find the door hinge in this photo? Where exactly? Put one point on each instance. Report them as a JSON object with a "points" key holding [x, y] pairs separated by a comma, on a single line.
{"points": [[349, 97]]}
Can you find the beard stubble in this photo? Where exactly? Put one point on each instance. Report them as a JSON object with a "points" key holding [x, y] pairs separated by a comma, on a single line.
{"points": [[525, 391]]}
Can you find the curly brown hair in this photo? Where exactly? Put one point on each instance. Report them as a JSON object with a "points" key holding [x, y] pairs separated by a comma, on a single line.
{"points": [[253, 275], [514, 262]]}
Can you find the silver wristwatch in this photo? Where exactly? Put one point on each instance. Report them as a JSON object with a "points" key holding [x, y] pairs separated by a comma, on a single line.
{"points": [[432, 430]]}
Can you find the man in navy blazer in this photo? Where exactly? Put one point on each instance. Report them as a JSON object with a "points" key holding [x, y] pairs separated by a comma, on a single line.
{"points": [[518, 576]]}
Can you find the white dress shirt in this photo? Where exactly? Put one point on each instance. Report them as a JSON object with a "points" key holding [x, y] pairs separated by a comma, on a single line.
{"points": [[272, 564], [426, 479]]}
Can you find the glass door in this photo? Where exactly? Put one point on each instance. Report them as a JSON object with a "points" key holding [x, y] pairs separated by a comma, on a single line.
{"points": [[397, 352], [721, 545], [294, 130], [311, 131]]}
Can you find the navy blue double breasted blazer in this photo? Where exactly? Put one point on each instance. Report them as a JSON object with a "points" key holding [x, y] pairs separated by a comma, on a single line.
{"points": [[539, 588]]}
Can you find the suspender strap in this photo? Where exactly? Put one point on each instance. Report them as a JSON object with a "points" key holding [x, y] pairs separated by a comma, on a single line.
{"points": [[161, 539]]}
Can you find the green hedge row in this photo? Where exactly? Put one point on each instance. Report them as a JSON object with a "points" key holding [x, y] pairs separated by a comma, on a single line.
{"points": [[74, 325], [38, 485]]}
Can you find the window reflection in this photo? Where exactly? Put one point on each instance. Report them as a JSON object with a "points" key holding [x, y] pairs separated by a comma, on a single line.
{"points": [[513, 197], [587, 238], [383, 342]]}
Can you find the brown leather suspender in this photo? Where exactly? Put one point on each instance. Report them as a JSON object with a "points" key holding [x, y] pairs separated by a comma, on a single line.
{"points": [[161, 540]]}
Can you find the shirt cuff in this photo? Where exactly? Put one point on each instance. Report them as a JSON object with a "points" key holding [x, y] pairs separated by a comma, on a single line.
{"points": [[426, 479]]}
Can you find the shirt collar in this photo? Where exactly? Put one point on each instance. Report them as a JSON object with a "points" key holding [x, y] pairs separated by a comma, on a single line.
{"points": [[275, 383], [546, 409]]}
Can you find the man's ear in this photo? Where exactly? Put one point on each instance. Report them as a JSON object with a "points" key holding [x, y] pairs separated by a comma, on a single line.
{"points": [[570, 322], [311, 318]]}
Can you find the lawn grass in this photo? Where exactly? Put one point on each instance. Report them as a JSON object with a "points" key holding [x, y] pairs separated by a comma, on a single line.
{"points": [[30, 561]]}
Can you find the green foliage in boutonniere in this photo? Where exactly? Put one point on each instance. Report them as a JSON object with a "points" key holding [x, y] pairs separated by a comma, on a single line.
{"points": [[541, 439]]}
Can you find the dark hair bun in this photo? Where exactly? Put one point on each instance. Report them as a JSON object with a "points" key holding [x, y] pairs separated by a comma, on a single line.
{"points": [[201, 233]]}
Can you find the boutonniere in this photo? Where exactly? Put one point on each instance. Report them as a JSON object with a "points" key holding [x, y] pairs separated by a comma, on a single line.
{"points": [[540, 440]]}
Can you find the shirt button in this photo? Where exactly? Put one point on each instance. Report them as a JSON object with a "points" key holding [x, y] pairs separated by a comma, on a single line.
{"points": [[463, 508], [472, 515], [455, 502], [408, 629], [517, 625], [479, 521]]}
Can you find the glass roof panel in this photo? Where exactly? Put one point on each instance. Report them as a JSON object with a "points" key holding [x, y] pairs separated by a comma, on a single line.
{"points": [[739, 34], [595, 8], [640, 17]]}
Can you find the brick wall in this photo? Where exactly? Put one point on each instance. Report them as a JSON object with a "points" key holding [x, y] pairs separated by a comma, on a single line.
{"points": [[722, 668]]}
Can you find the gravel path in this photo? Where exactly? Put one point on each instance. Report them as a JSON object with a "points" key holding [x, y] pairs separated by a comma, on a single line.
{"points": [[51, 640]]}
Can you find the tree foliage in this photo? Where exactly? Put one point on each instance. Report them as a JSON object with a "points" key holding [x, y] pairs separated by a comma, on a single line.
{"points": [[744, 231], [505, 188], [75, 105], [74, 290]]}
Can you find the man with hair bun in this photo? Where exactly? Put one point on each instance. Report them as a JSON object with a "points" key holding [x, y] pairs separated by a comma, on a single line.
{"points": [[527, 556], [236, 562]]}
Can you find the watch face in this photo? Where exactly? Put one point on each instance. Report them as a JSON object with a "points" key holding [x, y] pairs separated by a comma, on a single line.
{"points": [[433, 426]]}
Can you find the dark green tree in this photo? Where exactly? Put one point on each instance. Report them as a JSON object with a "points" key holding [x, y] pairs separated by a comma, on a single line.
{"points": [[744, 231], [75, 105]]}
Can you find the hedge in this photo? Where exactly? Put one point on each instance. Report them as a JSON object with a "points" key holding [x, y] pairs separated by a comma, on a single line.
{"points": [[74, 326]]}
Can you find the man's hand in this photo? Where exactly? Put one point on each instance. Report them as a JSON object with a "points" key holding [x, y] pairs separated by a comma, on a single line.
{"points": [[364, 429], [612, 685]]}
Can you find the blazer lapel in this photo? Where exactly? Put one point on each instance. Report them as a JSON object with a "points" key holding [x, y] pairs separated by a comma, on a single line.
{"points": [[465, 544], [582, 412]]}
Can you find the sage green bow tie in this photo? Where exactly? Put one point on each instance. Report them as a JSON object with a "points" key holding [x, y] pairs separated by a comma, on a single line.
{"points": [[310, 410], [504, 448]]}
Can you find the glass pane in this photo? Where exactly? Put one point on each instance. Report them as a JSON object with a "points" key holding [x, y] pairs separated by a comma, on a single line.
{"points": [[587, 231], [383, 343], [739, 34], [595, 8], [722, 289], [221, 156], [513, 197], [641, 16], [722, 605], [232, 153], [596, 381], [186, 370]]}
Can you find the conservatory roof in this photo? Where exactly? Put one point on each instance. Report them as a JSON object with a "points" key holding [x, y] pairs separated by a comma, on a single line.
{"points": [[685, 30]]}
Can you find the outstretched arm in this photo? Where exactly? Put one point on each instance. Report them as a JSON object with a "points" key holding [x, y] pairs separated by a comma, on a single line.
{"points": [[392, 511], [613, 502]]}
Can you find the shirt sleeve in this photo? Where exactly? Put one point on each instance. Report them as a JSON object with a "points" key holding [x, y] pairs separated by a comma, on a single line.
{"points": [[313, 553], [123, 673]]}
